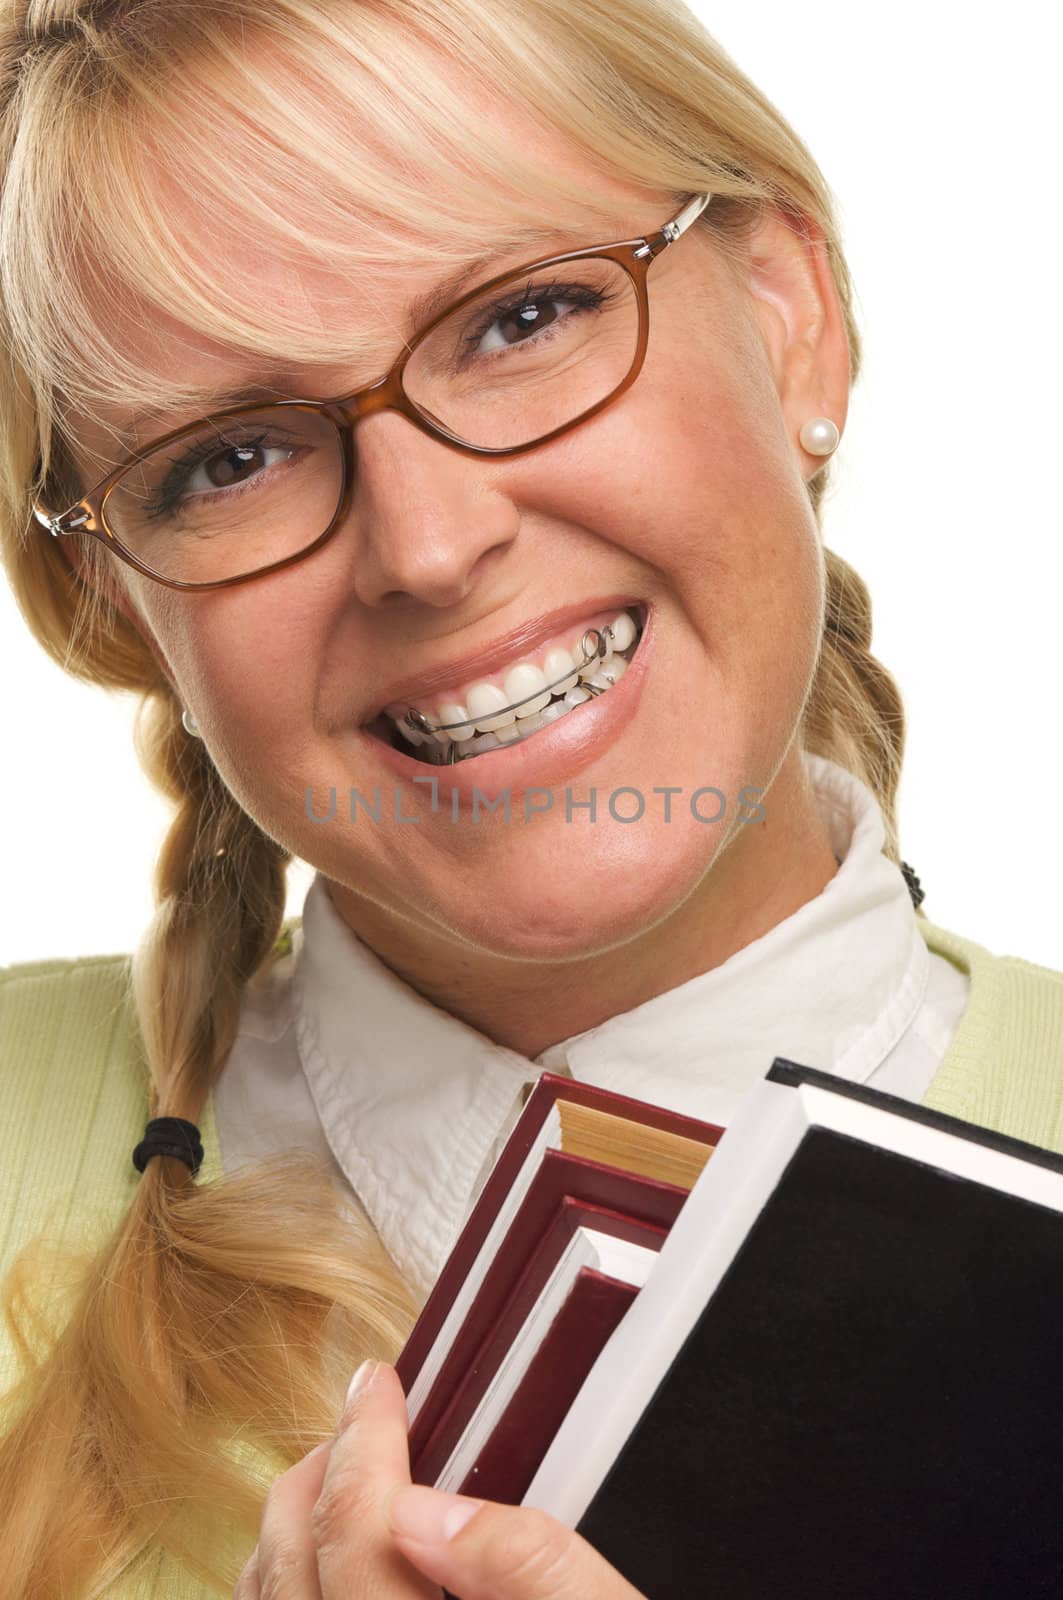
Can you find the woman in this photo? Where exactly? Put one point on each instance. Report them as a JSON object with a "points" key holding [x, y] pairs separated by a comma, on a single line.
{"points": [[654, 861]]}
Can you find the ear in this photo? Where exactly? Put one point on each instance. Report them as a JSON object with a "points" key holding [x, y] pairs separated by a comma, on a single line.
{"points": [[794, 299], [115, 592]]}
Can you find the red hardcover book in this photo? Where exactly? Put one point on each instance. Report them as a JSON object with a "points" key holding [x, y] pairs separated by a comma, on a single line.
{"points": [[469, 1260], [524, 1257], [507, 1464], [518, 1279], [495, 1323]]}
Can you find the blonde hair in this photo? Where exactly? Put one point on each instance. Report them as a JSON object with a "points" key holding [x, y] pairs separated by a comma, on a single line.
{"points": [[205, 1316]]}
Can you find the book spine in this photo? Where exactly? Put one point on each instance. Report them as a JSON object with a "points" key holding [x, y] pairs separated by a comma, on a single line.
{"points": [[549, 1087], [507, 1464], [485, 1341], [560, 1178]]}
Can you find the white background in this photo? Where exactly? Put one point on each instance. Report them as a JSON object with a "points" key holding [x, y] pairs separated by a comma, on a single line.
{"points": [[937, 129]]}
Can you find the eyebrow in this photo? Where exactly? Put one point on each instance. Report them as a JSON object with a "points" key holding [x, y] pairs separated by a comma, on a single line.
{"points": [[422, 308]]}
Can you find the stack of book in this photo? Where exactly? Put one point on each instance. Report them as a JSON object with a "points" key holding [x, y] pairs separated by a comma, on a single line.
{"points": [[557, 1247], [817, 1353]]}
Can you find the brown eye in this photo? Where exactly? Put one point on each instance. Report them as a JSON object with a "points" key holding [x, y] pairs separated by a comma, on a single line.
{"points": [[529, 318], [224, 470], [531, 314]]}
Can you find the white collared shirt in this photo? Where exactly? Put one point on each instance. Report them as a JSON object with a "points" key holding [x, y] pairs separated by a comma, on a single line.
{"points": [[410, 1106]]}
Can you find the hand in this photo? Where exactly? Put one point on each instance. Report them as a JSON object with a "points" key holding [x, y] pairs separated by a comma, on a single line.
{"points": [[346, 1524]]}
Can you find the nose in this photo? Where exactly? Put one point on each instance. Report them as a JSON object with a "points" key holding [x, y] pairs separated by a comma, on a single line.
{"points": [[426, 522]]}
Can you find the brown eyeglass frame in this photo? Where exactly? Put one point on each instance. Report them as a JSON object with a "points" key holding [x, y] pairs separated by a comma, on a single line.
{"points": [[386, 394]]}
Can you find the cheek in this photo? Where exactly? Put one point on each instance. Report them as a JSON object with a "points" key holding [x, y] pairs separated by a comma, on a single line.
{"points": [[244, 661], [698, 479]]}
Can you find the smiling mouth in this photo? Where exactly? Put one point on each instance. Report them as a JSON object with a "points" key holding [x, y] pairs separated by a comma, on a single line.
{"points": [[603, 666]]}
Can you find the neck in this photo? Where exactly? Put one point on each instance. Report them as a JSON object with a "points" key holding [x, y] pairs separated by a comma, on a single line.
{"points": [[757, 882]]}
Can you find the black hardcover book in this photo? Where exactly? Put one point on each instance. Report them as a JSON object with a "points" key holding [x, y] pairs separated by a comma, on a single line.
{"points": [[844, 1375]]}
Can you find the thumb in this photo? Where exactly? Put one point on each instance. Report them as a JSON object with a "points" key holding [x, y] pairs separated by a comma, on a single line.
{"points": [[482, 1551]]}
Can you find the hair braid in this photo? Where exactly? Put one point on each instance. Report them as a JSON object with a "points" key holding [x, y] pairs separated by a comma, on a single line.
{"points": [[220, 887], [855, 714], [240, 1303]]}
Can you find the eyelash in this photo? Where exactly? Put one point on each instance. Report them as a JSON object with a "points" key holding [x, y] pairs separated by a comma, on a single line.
{"points": [[573, 293], [184, 466]]}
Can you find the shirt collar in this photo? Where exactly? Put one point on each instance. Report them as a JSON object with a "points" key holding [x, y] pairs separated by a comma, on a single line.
{"points": [[411, 1099]]}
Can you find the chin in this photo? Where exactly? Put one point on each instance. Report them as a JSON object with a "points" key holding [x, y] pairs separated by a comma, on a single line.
{"points": [[558, 905]]}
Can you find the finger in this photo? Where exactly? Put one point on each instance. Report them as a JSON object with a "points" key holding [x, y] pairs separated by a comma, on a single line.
{"points": [[485, 1551], [287, 1558], [247, 1584], [370, 1455]]}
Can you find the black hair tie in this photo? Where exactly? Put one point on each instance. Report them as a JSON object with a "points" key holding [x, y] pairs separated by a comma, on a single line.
{"points": [[914, 886], [170, 1136]]}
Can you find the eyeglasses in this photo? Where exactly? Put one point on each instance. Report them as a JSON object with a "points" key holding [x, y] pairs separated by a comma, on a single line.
{"points": [[512, 364]]}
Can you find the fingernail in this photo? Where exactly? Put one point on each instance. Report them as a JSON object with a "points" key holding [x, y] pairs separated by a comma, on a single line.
{"points": [[360, 1382], [430, 1515]]}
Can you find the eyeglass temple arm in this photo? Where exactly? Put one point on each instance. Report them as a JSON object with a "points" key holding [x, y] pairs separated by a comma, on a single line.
{"points": [[654, 243], [75, 519], [690, 213], [51, 524]]}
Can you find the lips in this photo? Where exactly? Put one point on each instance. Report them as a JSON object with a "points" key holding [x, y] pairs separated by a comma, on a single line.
{"points": [[554, 756], [499, 652]]}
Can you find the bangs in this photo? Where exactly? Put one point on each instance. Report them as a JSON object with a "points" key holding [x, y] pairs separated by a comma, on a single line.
{"points": [[343, 135]]}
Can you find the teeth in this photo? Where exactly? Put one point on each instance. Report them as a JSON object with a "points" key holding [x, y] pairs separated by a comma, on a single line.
{"points": [[455, 713], [481, 700], [611, 673], [491, 725], [624, 631], [599, 658], [485, 704], [525, 680], [559, 662]]}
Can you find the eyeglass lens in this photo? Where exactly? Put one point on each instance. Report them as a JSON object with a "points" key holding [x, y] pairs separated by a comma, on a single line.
{"points": [[533, 354]]}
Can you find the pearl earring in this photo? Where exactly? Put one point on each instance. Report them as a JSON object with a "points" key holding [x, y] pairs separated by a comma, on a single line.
{"points": [[820, 436], [190, 724]]}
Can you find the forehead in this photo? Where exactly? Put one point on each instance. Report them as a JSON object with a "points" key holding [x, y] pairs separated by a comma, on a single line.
{"points": [[592, 205]]}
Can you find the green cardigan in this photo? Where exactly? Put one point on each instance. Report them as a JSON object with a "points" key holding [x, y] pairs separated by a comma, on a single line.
{"points": [[74, 1094]]}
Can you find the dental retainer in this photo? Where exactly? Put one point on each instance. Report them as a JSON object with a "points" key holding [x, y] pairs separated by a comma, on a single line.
{"points": [[601, 646]]}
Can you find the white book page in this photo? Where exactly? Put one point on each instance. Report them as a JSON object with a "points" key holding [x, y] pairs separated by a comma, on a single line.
{"points": [[617, 1258], [997, 1169]]}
